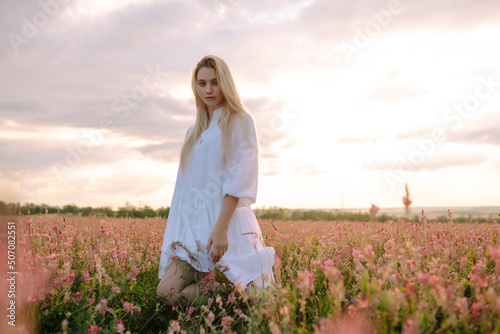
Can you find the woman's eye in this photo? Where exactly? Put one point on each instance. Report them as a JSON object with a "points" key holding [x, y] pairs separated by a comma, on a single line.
{"points": [[215, 83], [202, 84]]}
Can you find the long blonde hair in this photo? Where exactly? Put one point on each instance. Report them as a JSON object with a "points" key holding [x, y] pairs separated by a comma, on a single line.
{"points": [[232, 107]]}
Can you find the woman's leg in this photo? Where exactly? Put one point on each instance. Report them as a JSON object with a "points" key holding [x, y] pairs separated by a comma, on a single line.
{"points": [[177, 281]]}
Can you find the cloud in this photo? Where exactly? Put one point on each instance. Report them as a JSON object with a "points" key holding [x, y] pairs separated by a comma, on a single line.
{"points": [[366, 140], [82, 68], [431, 163], [393, 92], [484, 131]]}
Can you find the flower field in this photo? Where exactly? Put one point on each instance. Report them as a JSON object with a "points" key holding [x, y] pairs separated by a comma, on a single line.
{"points": [[99, 275]]}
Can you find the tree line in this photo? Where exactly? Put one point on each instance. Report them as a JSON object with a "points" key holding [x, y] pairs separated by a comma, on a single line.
{"points": [[129, 210]]}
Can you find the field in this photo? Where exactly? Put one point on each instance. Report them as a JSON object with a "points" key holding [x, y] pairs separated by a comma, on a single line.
{"points": [[99, 275]]}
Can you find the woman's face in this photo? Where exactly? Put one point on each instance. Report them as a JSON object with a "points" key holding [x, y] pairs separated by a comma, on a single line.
{"points": [[208, 88]]}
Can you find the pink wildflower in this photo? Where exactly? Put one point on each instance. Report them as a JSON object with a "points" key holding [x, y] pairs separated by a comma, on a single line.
{"points": [[227, 321], [284, 311], [175, 326], [119, 326], [306, 282], [93, 329], [277, 262], [210, 318], [78, 296], [476, 309], [128, 307]]}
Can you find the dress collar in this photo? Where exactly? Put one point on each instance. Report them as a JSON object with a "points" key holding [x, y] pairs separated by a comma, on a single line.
{"points": [[215, 115], [218, 111]]}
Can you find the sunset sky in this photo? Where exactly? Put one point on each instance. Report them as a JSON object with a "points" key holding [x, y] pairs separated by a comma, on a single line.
{"points": [[351, 99]]}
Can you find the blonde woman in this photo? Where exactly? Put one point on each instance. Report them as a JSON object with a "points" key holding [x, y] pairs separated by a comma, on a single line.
{"points": [[210, 222]]}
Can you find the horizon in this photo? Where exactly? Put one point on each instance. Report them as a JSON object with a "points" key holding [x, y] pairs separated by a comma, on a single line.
{"points": [[413, 209], [351, 100]]}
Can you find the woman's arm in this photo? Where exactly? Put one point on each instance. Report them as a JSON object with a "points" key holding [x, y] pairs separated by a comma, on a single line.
{"points": [[218, 237]]}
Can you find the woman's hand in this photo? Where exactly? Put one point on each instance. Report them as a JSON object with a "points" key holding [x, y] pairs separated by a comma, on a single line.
{"points": [[218, 241], [218, 237]]}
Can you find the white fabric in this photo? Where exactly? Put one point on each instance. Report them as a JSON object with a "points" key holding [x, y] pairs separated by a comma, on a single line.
{"points": [[197, 202]]}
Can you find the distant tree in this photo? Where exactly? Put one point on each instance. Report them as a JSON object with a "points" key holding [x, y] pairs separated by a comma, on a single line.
{"points": [[104, 211], [163, 212], [86, 211], [4, 209], [70, 208]]}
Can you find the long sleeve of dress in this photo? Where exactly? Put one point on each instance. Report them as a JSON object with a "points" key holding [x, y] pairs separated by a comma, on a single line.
{"points": [[242, 178]]}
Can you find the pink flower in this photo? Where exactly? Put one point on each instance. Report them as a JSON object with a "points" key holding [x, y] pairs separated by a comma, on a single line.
{"points": [[231, 298], [476, 309], [119, 326], [128, 307], [422, 278], [239, 285], [78, 296], [116, 289], [227, 321], [86, 277], [284, 311], [410, 290], [363, 303], [306, 282], [175, 326], [210, 318], [102, 307], [93, 329]]}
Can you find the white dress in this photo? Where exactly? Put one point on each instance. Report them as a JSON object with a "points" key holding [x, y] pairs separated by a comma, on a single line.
{"points": [[197, 202]]}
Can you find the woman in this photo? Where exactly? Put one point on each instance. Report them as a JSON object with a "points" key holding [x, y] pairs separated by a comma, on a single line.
{"points": [[210, 221]]}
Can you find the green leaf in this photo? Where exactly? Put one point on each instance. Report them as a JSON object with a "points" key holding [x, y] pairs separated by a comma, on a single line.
{"points": [[384, 304]]}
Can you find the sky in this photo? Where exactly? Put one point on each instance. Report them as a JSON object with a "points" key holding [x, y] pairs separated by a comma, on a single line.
{"points": [[351, 99]]}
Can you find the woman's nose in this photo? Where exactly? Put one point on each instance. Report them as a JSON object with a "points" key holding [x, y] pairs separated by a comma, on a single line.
{"points": [[209, 88]]}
